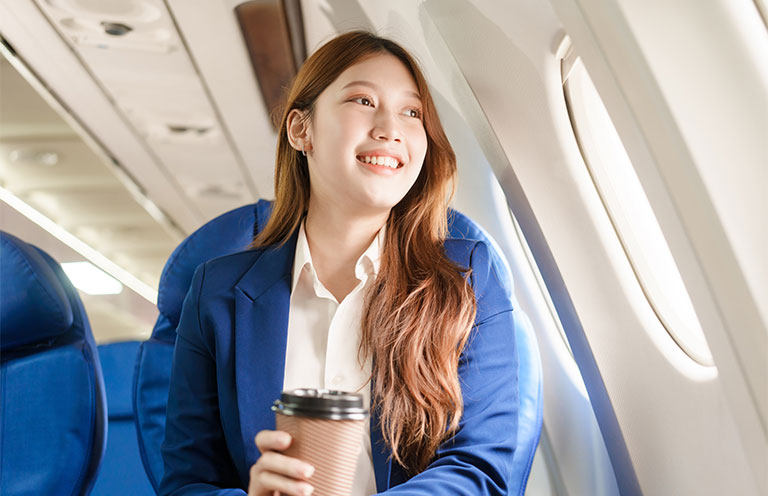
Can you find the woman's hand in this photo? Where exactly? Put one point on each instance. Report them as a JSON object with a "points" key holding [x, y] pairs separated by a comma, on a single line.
{"points": [[275, 473]]}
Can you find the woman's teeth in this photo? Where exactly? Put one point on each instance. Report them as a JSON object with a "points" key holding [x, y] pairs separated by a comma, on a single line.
{"points": [[385, 161]]}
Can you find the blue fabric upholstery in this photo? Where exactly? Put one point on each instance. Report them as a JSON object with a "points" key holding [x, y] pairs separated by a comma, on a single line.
{"points": [[529, 371], [53, 407], [122, 471], [36, 291], [230, 233]]}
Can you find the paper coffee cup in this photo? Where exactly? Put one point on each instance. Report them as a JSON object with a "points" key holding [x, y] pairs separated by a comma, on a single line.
{"points": [[327, 429]]}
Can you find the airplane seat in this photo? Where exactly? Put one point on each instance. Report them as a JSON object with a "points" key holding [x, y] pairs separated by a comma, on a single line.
{"points": [[122, 470], [53, 407], [233, 231], [229, 233], [530, 417]]}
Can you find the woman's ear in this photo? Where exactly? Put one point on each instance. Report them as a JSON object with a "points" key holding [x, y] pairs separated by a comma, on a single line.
{"points": [[297, 127]]}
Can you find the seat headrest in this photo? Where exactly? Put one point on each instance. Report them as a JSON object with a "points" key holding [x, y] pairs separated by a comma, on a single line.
{"points": [[33, 303], [461, 226], [228, 233]]}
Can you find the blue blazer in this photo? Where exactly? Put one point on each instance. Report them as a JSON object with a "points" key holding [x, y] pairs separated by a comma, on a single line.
{"points": [[228, 368]]}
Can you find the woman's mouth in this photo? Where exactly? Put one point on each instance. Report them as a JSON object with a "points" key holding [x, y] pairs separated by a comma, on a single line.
{"points": [[379, 162]]}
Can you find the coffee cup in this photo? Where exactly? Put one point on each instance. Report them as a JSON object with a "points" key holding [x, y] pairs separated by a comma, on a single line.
{"points": [[327, 429]]}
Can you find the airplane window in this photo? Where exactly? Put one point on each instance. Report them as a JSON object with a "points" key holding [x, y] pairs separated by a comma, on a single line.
{"points": [[630, 212]]}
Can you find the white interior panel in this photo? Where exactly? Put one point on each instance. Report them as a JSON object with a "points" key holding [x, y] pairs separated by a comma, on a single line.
{"points": [[224, 64], [54, 63]]}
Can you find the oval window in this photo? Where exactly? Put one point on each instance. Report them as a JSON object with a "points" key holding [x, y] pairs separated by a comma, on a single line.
{"points": [[630, 211]]}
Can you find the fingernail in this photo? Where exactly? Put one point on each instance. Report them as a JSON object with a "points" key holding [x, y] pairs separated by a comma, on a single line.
{"points": [[309, 471], [308, 490]]}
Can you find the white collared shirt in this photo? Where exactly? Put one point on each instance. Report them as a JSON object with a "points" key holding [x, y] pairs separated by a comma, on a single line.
{"points": [[323, 339]]}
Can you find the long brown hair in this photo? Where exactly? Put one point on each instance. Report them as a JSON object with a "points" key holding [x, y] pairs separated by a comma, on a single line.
{"points": [[420, 309]]}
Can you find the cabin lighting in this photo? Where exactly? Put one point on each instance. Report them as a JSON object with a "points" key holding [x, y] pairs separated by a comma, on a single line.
{"points": [[36, 157], [90, 279], [94, 256]]}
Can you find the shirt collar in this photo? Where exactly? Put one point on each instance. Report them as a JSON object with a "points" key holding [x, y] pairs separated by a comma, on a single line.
{"points": [[367, 264]]}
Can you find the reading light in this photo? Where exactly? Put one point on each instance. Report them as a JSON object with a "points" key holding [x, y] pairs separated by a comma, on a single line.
{"points": [[90, 279], [36, 157]]}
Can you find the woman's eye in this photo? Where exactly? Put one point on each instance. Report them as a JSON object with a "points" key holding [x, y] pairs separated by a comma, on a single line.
{"points": [[364, 101], [413, 113]]}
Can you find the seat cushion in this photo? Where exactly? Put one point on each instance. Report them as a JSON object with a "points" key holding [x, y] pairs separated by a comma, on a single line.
{"points": [[122, 471], [118, 361], [47, 435]]}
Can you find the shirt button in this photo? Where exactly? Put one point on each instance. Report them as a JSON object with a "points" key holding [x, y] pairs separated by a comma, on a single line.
{"points": [[337, 380]]}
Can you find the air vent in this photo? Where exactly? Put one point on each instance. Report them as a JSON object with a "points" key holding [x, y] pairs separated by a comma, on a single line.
{"points": [[232, 191], [116, 28], [117, 25], [179, 130], [178, 133]]}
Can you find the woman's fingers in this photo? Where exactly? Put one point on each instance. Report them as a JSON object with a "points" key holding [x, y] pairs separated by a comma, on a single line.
{"points": [[284, 485], [275, 473], [279, 473], [285, 465], [272, 440]]}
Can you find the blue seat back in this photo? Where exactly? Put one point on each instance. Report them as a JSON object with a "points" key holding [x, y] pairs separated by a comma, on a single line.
{"points": [[229, 233], [53, 407], [121, 469], [529, 377], [233, 231]]}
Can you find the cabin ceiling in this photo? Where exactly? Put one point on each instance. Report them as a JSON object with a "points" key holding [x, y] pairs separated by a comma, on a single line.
{"points": [[170, 100], [199, 141], [145, 118]]}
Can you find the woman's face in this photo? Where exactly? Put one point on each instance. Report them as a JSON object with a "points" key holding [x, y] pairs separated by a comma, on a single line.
{"points": [[367, 138]]}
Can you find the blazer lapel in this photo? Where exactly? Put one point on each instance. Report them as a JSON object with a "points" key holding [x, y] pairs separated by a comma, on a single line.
{"points": [[262, 302]]}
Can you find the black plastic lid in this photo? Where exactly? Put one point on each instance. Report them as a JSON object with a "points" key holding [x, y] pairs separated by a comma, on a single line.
{"points": [[321, 403]]}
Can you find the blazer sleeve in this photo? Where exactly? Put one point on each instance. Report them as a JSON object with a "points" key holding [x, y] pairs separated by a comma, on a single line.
{"points": [[195, 456], [477, 459]]}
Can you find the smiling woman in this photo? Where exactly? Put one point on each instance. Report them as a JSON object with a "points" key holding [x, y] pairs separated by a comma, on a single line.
{"points": [[364, 123], [349, 202], [610, 155], [351, 284]]}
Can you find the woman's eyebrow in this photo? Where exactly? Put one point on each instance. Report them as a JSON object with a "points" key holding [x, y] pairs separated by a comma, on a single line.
{"points": [[375, 86]]}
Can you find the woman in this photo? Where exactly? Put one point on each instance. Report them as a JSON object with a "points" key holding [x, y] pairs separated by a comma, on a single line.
{"points": [[351, 285]]}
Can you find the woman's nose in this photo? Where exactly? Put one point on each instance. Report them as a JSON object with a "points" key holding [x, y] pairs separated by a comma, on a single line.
{"points": [[385, 127]]}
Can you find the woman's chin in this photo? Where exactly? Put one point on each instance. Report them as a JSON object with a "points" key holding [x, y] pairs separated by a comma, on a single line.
{"points": [[375, 204]]}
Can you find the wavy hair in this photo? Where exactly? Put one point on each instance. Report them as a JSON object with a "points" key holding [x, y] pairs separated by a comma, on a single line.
{"points": [[419, 311]]}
